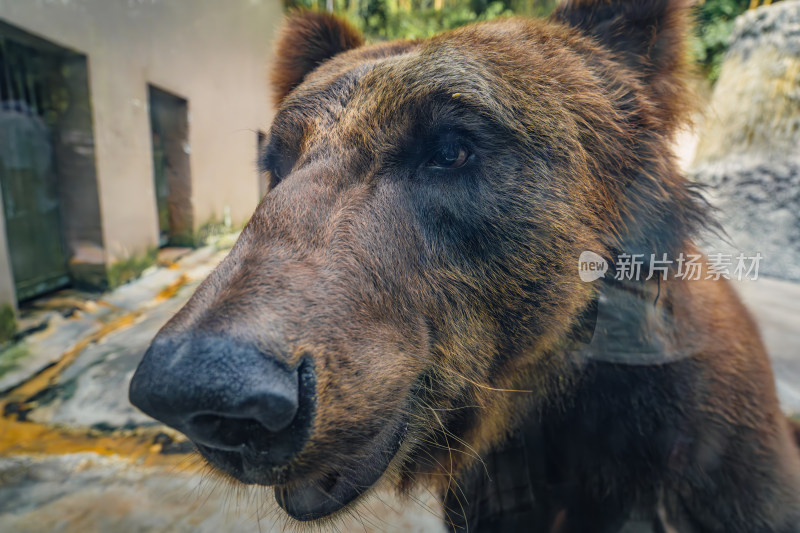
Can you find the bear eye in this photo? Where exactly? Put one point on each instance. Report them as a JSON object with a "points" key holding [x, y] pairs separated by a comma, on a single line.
{"points": [[276, 172], [450, 156], [276, 163]]}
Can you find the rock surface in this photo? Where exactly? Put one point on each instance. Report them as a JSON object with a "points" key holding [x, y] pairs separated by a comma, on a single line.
{"points": [[775, 306], [748, 153]]}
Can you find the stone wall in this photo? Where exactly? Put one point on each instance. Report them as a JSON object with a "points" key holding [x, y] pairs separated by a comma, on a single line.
{"points": [[749, 149]]}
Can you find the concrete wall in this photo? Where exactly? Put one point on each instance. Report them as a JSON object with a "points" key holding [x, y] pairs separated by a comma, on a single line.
{"points": [[213, 53]]}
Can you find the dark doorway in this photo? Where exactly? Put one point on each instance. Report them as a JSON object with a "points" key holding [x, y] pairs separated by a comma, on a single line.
{"points": [[29, 108], [169, 126], [48, 177]]}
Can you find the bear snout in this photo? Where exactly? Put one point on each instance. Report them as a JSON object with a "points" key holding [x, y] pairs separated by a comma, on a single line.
{"points": [[246, 411]]}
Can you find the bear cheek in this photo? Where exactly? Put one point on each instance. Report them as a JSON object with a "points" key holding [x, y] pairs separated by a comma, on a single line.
{"points": [[369, 383]]}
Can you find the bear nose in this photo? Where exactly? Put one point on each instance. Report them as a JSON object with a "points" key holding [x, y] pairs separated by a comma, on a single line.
{"points": [[219, 392]]}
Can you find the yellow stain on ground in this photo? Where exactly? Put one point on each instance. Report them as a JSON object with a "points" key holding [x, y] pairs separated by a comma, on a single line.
{"points": [[172, 289], [49, 375], [23, 437], [31, 438]]}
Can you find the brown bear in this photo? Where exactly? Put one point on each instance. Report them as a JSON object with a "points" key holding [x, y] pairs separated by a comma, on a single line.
{"points": [[406, 304]]}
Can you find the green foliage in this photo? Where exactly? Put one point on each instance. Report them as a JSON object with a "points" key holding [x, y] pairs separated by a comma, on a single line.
{"points": [[131, 268], [11, 356], [221, 234], [424, 23], [415, 19], [392, 19], [714, 26], [210, 229], [186, 239], [8, 323]]}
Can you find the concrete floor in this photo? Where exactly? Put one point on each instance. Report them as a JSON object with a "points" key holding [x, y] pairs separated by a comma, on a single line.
{"points": [[775, 305]]}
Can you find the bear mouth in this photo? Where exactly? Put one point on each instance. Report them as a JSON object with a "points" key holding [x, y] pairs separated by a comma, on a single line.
{"points": [[321, 498]]}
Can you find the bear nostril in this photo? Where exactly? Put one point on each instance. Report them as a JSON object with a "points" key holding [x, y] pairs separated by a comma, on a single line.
{"points": [[274, 407], [225, 433]]}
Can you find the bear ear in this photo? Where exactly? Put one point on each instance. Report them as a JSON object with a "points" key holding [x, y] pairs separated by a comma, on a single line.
{"points": [[307, 39], [649, 36]]}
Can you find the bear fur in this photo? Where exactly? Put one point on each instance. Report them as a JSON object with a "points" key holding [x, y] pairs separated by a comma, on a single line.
{"points": [[419, 247]]}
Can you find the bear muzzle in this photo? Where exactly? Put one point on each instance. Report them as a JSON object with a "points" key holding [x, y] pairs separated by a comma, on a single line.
{"points": [[247, 412]]}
